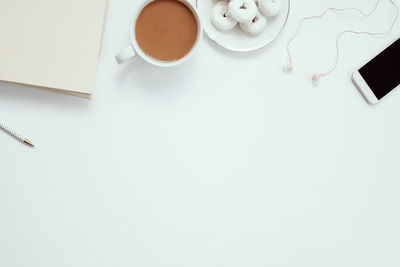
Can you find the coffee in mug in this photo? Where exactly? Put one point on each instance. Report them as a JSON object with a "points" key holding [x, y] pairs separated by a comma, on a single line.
{"points": [[166, 30], [163, 32]]}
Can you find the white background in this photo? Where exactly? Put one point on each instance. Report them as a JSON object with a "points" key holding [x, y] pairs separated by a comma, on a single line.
{"points": [[223, 161]]}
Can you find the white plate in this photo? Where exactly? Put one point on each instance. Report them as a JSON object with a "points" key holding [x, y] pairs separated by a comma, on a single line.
{"points": [[236, 39]]}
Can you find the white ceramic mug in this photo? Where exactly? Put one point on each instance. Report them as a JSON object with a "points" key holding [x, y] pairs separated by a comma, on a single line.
{"points": [[134, 50]]}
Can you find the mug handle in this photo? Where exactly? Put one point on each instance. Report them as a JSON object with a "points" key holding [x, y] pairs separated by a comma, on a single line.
{"points": [[125, 55]]}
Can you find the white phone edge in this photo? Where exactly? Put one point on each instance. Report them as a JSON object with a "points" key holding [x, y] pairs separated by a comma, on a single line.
{"points": [[364, 88]]}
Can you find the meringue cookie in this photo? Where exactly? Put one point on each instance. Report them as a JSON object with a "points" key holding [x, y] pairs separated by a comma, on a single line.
{"points": [[256, 26], [270, 8], [243, 11], [221, 18]]}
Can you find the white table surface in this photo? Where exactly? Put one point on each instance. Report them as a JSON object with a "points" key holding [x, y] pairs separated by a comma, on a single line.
{"points": [[224, 161]]}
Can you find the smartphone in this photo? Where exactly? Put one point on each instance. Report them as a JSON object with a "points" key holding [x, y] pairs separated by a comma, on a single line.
{"points": [[381, 75]]}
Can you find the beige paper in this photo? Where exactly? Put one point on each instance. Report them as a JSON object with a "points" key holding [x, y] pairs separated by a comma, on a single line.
{"points": [[51, 43]]}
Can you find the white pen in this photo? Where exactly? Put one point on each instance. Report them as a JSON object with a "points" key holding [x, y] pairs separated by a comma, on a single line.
{"points": [[15, 134]]}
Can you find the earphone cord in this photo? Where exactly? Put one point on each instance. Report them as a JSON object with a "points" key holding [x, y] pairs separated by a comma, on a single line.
{"points": [[316, 77], [319, 75]]}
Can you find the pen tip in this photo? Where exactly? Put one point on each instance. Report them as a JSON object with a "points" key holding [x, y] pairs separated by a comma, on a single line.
{"points": [[29, 143]]}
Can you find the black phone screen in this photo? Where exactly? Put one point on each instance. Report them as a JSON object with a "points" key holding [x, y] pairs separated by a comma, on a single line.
{"points": [[382, 74]]}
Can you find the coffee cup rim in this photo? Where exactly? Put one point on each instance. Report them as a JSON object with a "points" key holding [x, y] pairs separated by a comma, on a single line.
{"points": [[151, 60]]}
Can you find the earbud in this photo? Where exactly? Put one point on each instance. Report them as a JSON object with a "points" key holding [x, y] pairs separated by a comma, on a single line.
{"points": [[288, 68], [315, 78]]}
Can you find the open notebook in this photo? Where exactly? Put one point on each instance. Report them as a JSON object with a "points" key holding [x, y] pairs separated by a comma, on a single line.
{"points": [[52, 44]]}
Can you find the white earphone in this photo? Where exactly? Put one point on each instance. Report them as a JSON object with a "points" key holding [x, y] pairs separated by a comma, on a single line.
{"points": [[315, 78]]}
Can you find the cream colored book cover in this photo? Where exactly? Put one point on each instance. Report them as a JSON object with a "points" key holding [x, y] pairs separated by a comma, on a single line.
{"points": [[54, 44]]}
